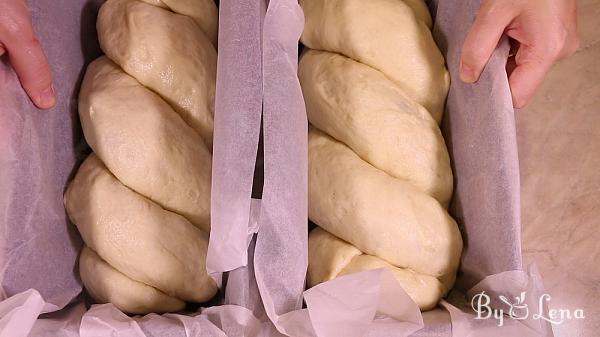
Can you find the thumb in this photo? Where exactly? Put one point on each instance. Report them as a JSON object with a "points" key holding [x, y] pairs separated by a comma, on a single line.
{"points": [[527, 75], [483, 38]]}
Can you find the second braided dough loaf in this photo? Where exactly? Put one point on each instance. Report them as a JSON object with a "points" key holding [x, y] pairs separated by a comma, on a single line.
{"points": [[374, 84]]}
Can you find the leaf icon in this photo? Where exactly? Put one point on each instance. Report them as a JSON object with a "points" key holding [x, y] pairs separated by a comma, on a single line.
{"points": [[505, 300], [521, 299]]}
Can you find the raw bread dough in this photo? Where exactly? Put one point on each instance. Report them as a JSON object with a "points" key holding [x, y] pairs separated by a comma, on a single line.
{"points": [[386, 35], [362, 108], [144, 143], [141, 201], [327, 256], [374, 84], [165, 52], [421, 12], [106, 284], [204, 12], [377, 213], [332, 257], [425, 290], [136, 236]]}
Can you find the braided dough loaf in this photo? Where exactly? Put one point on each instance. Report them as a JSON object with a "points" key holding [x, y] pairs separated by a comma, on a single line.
{"points": [[374, 84], [141, 201]]}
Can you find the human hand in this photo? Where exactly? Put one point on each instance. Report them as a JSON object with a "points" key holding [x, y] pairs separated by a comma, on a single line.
{"points": [[542, 33], [18, 40]]}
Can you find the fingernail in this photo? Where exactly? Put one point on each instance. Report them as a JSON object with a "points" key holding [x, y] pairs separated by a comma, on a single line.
{"points": [[467, 74], [47, 98]]}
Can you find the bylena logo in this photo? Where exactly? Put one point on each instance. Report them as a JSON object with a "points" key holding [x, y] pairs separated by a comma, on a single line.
{"points": [[519, 310]]}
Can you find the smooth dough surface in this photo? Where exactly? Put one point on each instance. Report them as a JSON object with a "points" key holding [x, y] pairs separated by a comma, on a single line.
{"points": [[144, 143], [204, 12], [330, 257], [327, 256], [136, 236], [379, 214], [425, 290], [386, 35], [359, 106], [166, 52], [107, 285], [420, 11]]}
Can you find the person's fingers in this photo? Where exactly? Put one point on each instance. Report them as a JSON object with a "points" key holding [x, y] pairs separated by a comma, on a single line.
{"points": [[2, 50], [31, 65], [571, 45], [527, 75], [572, 41], [33, 70], [483, 38], [511, 65]]}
